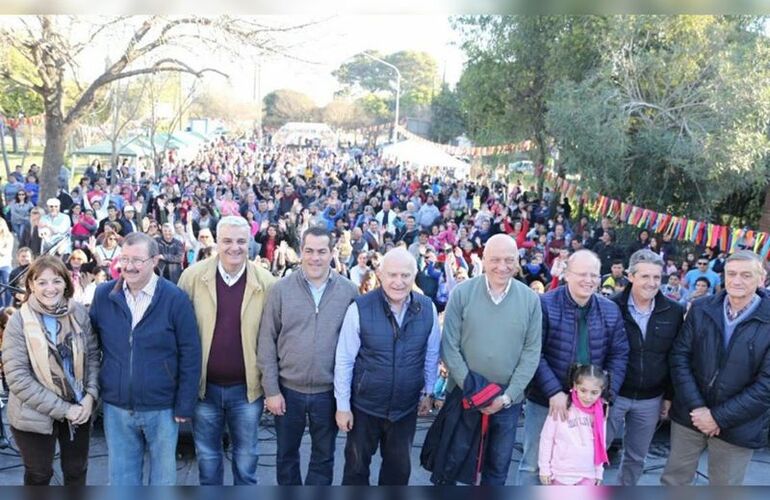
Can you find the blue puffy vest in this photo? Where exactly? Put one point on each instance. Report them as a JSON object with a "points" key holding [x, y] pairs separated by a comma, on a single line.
{"points": [[388, 377]]}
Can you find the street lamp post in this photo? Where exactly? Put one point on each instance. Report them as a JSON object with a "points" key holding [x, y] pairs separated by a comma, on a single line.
{"points": [[398, 91]]}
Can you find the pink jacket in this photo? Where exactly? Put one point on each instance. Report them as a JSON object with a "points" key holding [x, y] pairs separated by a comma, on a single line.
{"points": [[567, 448]]}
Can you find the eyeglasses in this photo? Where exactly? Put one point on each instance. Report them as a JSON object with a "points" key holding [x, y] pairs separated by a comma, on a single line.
{"points": [[136, 262], [703, 263]]}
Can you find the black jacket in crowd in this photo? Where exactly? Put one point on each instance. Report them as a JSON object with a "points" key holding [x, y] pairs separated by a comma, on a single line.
{"points": [[647, 375], [733, 382]]}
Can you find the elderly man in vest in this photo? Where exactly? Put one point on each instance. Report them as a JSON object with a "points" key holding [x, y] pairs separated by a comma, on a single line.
{"points": [[386, 365]]}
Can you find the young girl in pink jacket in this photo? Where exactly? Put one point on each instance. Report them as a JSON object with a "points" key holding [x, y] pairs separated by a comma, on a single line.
{"points": [[573, 451]]}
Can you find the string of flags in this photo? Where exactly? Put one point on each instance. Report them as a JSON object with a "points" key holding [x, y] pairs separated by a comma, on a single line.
{"points": [[680, 228], [470, 151]]}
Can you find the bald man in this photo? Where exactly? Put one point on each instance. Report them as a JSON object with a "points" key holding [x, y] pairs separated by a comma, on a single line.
{"points": [[579, 326], [385, 367], [493, 327]]}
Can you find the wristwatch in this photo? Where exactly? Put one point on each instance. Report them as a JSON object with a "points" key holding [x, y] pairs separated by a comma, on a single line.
{"points": [[507, 402]]}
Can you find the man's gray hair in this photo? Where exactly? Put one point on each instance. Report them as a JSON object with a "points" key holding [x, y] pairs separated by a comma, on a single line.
{"points": [[747, 256], [232, 221], [137, 238], [644, 256]]}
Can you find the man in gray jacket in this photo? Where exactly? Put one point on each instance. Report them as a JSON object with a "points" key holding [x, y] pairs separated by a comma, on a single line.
{"points": [[297, 344]]}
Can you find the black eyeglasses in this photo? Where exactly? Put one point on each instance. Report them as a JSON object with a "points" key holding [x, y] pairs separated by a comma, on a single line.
{"points": [[703, 263]]}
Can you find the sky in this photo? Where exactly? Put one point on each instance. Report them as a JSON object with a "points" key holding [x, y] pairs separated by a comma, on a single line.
{"points": [[333, 41]]}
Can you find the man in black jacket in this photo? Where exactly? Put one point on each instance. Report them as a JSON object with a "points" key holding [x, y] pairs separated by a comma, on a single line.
{"points": [[608, 251], [720, 368], [652, 322]]}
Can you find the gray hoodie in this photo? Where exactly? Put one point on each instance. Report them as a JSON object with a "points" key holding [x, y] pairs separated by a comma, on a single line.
{"points": [[297, 342]]}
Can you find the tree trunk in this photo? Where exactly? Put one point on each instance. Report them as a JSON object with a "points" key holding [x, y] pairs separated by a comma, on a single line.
{"points": [[764, 220], [541, 157], [5, 153], [56, 134], [14, 141]]}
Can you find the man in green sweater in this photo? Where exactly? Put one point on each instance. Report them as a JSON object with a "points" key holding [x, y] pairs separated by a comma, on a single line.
{"points": [[493, 327]]}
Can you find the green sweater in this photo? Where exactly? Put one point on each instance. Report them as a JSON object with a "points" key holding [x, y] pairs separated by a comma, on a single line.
{"points": [[501, 342]]}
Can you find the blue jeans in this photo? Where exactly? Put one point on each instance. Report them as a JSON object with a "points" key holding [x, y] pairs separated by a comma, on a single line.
{"points": [[227, 405], [289, 428], [534, 419], [129, 434], [500, 440], [18, 228], [6, 297]]}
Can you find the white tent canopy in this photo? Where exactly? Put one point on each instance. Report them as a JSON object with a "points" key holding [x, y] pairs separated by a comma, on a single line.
{"points": [[295, 133], [425, 155]]}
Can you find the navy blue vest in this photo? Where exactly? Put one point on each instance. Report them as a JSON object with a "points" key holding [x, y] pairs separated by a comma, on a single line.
{"points": [[388, 377]]}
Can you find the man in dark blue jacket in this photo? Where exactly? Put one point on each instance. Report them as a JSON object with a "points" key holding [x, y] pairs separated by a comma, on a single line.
{"points": [[579, 326], [720, 368], [151, 365], [385, 365]]}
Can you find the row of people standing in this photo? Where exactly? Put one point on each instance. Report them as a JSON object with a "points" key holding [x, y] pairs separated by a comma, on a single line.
{"points": [[367, 363]]}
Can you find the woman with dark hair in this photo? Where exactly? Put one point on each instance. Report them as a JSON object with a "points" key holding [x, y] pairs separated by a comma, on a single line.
{"points": [[51, 363], [19, 210]]}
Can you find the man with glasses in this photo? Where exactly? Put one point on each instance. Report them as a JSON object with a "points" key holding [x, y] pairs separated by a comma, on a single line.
{"points": [[702, 271], [228, 293], [579, 326], [493, 327], [151, 365]]}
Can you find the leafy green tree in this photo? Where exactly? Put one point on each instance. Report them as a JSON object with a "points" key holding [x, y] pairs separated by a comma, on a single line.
{"points": [[419, 72], [514, 65], [284, 105], [447, 118], [16, 100], [675, 117]]}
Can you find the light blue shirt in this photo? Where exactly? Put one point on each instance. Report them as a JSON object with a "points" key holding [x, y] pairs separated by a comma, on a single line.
{"points": [[317, 292], [350, 342], [642, 318], [731, 325], [52, 329], [694, 274]]}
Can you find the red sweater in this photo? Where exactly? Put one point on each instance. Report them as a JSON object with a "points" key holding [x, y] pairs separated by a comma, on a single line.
{"points": [[225, 365]]}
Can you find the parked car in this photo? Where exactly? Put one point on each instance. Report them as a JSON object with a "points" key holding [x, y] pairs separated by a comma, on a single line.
{"points": [[522, 166]]}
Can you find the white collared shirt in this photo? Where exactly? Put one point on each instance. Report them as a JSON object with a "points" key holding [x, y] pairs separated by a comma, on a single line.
{"points": [[138, 304], [230, 279], [499, 298]]}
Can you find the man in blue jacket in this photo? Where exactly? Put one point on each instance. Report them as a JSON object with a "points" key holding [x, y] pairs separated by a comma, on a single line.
{"points": [[151, 365], [720, 369], [579, 326]]}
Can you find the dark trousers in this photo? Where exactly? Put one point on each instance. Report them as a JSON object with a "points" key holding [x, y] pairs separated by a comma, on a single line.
{"points": [[319, 409], [395, 442], [37, 452]]}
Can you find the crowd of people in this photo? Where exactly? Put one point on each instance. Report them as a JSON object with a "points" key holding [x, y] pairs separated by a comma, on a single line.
{"points": [[340, 289]]}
